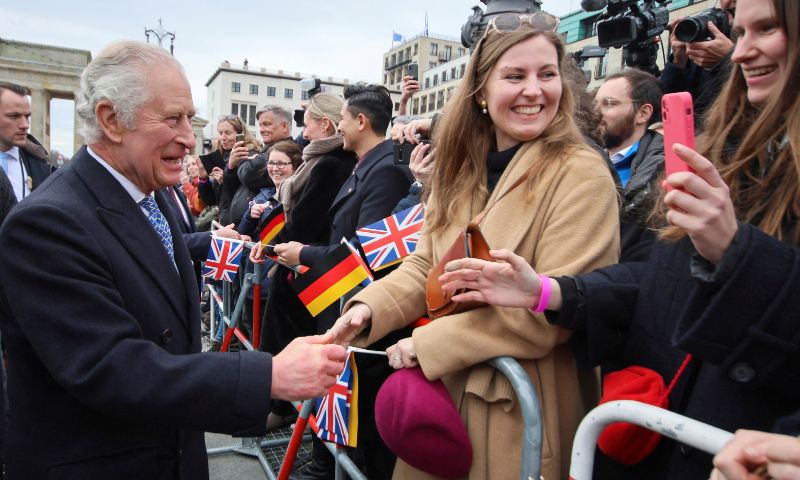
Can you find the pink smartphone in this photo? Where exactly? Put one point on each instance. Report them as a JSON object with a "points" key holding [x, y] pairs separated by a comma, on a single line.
{"points": [[677, 114]]}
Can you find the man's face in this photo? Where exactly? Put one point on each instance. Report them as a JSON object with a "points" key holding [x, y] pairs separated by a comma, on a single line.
{"points": [[349, 128], [272, 128], [151, 154], [614, 104], [15, 115]]}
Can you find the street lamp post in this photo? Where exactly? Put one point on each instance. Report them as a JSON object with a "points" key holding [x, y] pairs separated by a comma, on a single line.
{"points": [[161, 34]]}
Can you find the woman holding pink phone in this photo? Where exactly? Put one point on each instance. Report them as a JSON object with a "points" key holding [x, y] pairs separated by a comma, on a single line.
{"points": [[722, 282]]}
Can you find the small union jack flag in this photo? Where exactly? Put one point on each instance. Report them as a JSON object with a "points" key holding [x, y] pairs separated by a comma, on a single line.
{"points": [[337, 415], [388, 241], [223, 259]]}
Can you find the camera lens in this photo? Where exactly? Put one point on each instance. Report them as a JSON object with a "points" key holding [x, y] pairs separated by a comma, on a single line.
{"points": [[690, 29]]}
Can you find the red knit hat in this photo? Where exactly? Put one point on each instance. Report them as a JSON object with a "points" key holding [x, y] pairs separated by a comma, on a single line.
{"points": [[625, 442], [420, 424]]}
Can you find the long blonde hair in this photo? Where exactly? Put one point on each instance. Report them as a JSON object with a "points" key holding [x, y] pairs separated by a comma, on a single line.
{"points": [[235, 121], [763, 172], [464, 135]]}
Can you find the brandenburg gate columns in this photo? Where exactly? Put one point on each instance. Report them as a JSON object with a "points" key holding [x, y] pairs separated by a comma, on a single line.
{"points": [[40, 115]]}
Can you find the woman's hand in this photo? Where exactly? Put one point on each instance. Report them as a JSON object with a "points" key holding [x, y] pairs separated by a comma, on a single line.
{"points": [[421, 126], [201, 170], [403, 354], [421, 165], [750, 453], [257, 253], [349, 325], [700, 203], [217, 175], [289, 253], [257, 209], [238, 153], [510, 283]]}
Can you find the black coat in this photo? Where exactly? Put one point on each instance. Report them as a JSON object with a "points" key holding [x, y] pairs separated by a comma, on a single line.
{"points": [[742, 331], [105, 377], [285, 316], [7, 197], [368, 195]]}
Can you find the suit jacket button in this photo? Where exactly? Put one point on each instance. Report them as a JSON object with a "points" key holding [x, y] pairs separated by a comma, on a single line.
{"points": [[742, 372], [166, 336]]}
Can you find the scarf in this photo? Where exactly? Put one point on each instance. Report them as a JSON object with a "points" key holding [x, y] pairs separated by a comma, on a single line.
{"points": [[292, 186]]}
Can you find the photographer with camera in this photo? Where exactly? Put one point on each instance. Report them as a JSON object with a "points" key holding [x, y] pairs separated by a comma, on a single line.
{"points": [[700, 66]]}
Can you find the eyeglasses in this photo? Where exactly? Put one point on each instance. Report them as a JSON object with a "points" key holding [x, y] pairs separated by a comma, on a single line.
{"points": [[509, 22], [225, 118], [278, 164], [608, 102]]}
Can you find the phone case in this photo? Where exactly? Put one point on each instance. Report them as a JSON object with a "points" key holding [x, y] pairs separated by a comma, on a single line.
{"points": [[677, 114]]}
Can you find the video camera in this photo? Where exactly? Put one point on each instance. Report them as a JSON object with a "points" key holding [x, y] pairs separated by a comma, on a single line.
{"points": [[633, 27]]}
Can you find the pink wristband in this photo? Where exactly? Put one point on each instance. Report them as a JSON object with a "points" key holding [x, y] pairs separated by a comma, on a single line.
{"points": [[544, 295]]}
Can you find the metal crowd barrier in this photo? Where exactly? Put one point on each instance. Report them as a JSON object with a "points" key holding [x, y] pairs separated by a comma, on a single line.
{"points": [[670, 424], [345, 468]]}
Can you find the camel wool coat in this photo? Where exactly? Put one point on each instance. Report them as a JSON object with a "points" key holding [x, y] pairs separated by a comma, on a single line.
{"points": [[567, 223]]}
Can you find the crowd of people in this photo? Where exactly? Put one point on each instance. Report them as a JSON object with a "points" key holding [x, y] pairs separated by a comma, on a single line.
{"points": [[599, 261]]}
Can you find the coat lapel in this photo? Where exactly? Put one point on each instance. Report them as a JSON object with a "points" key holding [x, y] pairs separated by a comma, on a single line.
{"points": [[350, 185], [128, 224]]}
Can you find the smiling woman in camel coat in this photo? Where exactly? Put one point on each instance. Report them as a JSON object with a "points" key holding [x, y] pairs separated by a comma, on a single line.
{"points": [[568, 226]]}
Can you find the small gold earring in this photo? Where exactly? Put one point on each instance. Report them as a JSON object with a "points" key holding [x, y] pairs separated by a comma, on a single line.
{"points": [[483, 107]]}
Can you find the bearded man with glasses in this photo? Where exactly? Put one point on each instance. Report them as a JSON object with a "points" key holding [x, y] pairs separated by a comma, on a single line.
{"points": [[629, 102]]}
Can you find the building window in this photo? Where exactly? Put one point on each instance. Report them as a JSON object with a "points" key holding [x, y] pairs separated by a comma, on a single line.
{"points": [[288, 93], [303, 95], [453, 73], [251, 118], [448, 53], [415, 108], [460, 52], [253, 89], [432, 102], [434, 49], [408, 53], [428, 82], [416, 48], [400, 56], [602, 67], [436, 80], [246, 111], [423, 107], [444, 76], [463, 69], [270, 91], [386, 63], [236, 87], [440, 100], [394, 59]]}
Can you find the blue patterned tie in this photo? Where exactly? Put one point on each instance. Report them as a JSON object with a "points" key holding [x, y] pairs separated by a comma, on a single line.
{"points": [[159, 223], [4, 161]]}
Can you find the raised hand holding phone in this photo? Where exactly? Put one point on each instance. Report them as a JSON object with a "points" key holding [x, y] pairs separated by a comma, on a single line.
{"points": [[698, 199], [677, 114]]}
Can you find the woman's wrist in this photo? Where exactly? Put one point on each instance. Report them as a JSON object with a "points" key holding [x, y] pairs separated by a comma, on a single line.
{"points": [[549, 297]]}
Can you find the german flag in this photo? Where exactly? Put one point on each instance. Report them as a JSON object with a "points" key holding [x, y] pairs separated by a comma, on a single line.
{"points": [[272, 225], [331, 277]]}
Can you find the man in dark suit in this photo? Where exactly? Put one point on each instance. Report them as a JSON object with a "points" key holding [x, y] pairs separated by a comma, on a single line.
{"points": [[368, 195], [105, 377], [22, 157]]}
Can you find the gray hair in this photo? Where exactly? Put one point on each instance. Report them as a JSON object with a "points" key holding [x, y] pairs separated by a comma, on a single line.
{"points": [[118, 74], [276, 110]]}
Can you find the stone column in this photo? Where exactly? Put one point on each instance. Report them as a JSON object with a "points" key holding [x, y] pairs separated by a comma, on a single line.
{"points": [[40, 116], [77, 137]]}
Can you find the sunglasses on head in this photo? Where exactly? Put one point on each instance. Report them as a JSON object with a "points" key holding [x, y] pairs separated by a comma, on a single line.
{"points": [[509, 22]]}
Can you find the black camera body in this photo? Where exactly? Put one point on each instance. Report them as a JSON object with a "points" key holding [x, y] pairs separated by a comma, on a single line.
{"points": [[695, 29], [627, 24], [634, 27]]}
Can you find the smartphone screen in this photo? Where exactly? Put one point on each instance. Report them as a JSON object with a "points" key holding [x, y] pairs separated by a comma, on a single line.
{"points": [[677, 114]]}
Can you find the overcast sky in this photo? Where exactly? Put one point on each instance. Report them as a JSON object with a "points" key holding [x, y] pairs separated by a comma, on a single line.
{"points": [[343, 39]]}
